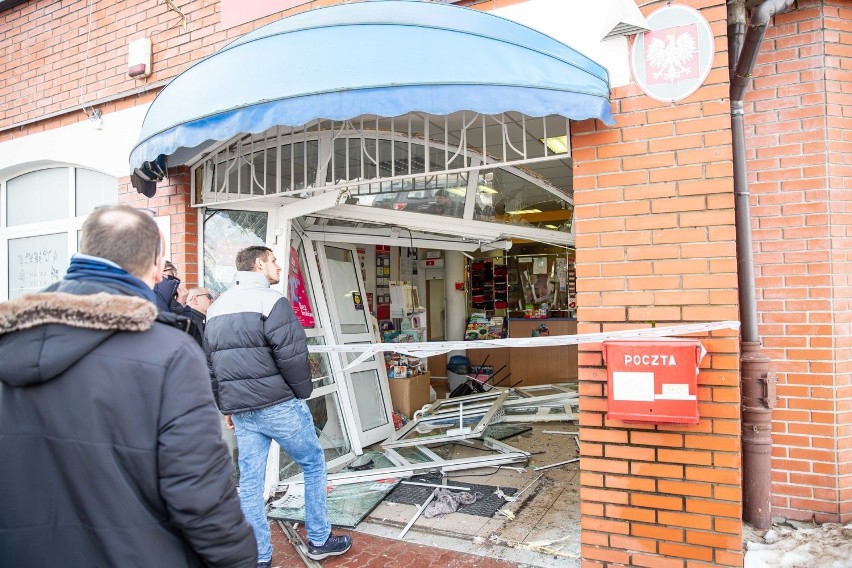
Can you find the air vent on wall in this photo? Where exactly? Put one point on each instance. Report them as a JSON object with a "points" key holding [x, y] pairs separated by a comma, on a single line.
{"points": [[623, 18]]}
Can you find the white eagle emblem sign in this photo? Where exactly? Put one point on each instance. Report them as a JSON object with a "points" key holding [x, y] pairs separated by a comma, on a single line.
{"points": [[671, 54], [673, 59]]}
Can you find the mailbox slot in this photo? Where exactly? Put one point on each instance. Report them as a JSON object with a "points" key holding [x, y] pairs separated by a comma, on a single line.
{"points": [[653, 380]]}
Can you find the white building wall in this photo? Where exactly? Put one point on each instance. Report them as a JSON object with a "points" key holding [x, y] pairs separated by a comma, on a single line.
{"points": [[105, 149], [580, 25]]}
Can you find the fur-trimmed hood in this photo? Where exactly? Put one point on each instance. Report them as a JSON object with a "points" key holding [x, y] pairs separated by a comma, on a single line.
{"points": [[96, 311], [42, 335]]}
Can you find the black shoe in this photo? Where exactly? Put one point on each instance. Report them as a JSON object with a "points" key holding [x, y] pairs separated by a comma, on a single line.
{"points": [[334, 546], [264, 564]]}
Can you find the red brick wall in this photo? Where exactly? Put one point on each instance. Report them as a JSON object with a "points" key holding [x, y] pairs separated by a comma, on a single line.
{"points": [[43, 63], [797, 116], [172, 199], [43, 49], [655, 244]]}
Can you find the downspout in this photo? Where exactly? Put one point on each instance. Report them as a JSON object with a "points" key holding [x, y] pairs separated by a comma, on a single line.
{"points": [[757, 382]]}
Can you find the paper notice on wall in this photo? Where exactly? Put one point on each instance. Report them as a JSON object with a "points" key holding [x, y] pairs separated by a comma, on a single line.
{"points": [[540, 265], [676, 391], [397, 301], [633, 386]]}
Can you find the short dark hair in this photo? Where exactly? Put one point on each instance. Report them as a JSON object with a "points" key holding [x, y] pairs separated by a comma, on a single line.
{"points": [[126, 236], [247, 256], [442, 193], [169, 267]]}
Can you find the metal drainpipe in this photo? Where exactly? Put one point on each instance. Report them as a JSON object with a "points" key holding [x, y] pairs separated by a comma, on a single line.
{"points": [[757, 382]]}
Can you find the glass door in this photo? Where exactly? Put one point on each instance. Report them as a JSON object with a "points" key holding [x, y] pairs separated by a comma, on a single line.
{"points": [[366, 383], [332, 416], [225, 232]]}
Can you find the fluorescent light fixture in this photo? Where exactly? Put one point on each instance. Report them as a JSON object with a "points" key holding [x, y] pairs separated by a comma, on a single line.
{"points": [[556, 144], [457, 191], [552, 227], [486, 189], [523, 211]]}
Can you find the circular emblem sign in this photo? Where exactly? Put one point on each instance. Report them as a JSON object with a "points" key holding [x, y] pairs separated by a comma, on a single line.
{"points": [[672, 60]]}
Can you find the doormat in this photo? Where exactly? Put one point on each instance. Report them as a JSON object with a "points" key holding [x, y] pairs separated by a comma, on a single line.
{"points": [[486, 506]]}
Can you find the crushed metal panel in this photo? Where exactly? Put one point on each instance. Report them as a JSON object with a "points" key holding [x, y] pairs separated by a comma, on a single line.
{"points": [[451, 426], [551, 388], [514, 400], [499, 446], [430, 462], [413, 469], [471, 401], [540, 414]]}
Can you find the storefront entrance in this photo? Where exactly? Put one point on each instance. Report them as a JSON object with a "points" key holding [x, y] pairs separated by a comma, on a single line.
{"points": [[416, 182], [351, 407]]}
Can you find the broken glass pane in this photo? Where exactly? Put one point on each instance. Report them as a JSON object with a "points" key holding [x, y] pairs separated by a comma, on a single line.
{"points": [[320, 367], [225, 234], [347, 504]]}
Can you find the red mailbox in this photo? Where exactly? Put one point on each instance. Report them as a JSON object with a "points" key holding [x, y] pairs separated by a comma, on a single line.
{"points": [[653, 380]]}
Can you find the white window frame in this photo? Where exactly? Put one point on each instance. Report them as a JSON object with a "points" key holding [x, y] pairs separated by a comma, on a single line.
{"points": [[71, 224]]}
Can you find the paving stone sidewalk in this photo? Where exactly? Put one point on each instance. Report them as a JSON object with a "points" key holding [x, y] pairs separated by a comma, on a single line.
{"points": [[370, 551]]}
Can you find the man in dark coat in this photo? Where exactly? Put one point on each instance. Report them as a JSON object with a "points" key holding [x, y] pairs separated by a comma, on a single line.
{"points": [[171, 293], [259, 356], [172, 296], [112, 454]]}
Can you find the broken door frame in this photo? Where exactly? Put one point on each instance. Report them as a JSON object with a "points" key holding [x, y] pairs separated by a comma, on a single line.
{"points": [[505, 454], [488, 415]]}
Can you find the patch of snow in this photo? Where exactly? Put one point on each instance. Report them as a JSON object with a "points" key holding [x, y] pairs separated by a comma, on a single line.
{"points": [[825, 546]]}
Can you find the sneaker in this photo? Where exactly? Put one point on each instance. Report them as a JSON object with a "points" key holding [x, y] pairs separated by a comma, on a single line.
{"points": [[264, 564], [334, 546]]}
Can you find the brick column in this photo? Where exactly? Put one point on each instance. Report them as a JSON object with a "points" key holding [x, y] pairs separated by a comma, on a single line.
{"points": [[172, 199], [656, 245]]}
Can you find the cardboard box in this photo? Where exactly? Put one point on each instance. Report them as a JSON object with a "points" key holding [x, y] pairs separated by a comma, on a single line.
{"points": [[411, 394]]}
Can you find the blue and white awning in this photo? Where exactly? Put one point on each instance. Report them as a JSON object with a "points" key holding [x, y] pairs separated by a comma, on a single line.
{"points": [[384, 58]]}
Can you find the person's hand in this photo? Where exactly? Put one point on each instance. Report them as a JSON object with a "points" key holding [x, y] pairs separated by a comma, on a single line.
{"points": [[228, 422], [181, 293]]}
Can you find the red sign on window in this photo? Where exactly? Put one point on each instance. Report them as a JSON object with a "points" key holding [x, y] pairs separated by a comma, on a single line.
{"points": [[298, 293]]}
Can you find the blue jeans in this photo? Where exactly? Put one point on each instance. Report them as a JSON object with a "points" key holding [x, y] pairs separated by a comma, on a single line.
{"points": [[291, 425]]}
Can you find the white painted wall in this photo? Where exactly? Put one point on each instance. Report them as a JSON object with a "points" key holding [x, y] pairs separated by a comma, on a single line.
{"points": [[580, 25], [455, 300], [82, 144]]}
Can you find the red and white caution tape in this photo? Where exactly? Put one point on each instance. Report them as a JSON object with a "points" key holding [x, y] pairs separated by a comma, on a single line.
{"points": [[430, 348]]}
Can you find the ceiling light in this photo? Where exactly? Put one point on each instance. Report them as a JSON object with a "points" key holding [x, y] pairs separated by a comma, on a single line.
{"points": [[554, 227], [457, 190], [556, 144], [523, 211], [486, 189]]}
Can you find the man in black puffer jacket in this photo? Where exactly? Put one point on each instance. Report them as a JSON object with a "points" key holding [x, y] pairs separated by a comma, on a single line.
{"points": [[259, 357], [112, 454]]}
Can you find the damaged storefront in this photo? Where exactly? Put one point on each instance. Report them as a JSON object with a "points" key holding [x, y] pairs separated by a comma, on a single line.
{"points": [[325, 166], [467, 181]]}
